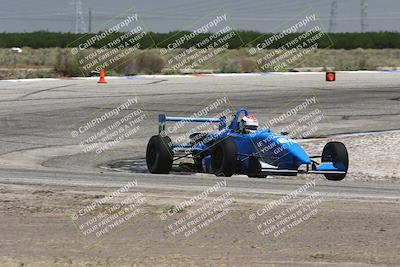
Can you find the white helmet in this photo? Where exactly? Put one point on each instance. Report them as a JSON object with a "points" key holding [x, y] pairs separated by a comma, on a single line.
{"points": [[248, 124]]}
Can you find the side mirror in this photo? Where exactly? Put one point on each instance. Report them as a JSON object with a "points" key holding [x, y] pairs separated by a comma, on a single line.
{"points": [[284, 133]]}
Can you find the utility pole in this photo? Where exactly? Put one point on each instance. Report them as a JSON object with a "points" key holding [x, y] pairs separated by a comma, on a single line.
{"points": [[364, 13], [90, 20], [332, 21]]}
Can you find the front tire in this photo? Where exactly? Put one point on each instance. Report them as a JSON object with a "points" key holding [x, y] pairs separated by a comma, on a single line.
{"points": [[224, 158], [159, 155], [254, 170], [336, 153]]}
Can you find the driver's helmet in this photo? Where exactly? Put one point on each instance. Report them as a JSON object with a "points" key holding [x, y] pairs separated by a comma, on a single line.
{"points": [[248, 124]]}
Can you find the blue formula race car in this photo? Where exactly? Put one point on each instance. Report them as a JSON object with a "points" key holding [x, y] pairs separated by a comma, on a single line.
{"points": [[242, 148]]}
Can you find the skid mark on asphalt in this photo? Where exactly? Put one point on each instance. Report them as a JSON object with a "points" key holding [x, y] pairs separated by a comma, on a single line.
{"points": [[44, 90], [346, 116], [21, 142], [355, 133], [156, 93], [61, 98], [27, 149], [157, 81]]}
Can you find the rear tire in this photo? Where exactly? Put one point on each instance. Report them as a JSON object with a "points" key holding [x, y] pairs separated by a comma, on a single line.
{"points": [[224, 158], [159, 155], [336, 153]]}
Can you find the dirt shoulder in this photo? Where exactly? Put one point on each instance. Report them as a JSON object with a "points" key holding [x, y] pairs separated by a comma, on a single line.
{"points": [[36, 229]]}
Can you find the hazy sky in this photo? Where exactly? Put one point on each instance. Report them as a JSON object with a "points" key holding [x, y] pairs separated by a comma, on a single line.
{"points": [[168, 15]]}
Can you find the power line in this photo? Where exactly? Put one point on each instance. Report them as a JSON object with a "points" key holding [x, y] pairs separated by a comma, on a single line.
{"points": [[67, 17]]}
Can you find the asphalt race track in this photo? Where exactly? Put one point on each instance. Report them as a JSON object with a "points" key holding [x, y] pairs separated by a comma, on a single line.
{"points": [[37, 118]]}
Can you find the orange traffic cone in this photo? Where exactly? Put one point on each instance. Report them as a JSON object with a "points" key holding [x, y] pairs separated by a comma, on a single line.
{"points": [[102, 77], [330, 76]]}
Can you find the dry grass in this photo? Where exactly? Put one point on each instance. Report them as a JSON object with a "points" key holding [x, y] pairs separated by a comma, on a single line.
{"points": [[237, 60]]}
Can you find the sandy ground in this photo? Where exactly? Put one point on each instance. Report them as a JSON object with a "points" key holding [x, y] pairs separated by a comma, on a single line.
{"points": [[342, 233]]}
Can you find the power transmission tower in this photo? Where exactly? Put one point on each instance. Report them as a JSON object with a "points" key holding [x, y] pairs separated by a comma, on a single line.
{"points": [[364, 13], [79, 21], [90, 20], [332, 21]]}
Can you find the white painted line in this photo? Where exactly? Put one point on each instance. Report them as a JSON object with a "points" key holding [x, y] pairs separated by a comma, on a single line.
{"points": [[199, 75]]}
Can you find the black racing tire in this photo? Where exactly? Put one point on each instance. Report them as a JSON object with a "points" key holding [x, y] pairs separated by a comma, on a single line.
{"points": [[254, 170], [224, 158], [159, 155], [336, 153]]}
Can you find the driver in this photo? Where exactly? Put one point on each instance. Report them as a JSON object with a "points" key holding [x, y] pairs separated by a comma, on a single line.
{"points": [[248, 124]]}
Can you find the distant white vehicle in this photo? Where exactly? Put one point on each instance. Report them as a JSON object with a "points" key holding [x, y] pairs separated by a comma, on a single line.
{"points": [[16, 49]]}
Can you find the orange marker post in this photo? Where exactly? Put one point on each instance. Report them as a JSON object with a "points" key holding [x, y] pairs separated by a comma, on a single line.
{"points": [[102, 77]]}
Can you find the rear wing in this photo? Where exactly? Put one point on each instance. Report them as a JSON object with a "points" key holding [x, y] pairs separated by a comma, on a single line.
{"points": [[162, 119]]}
